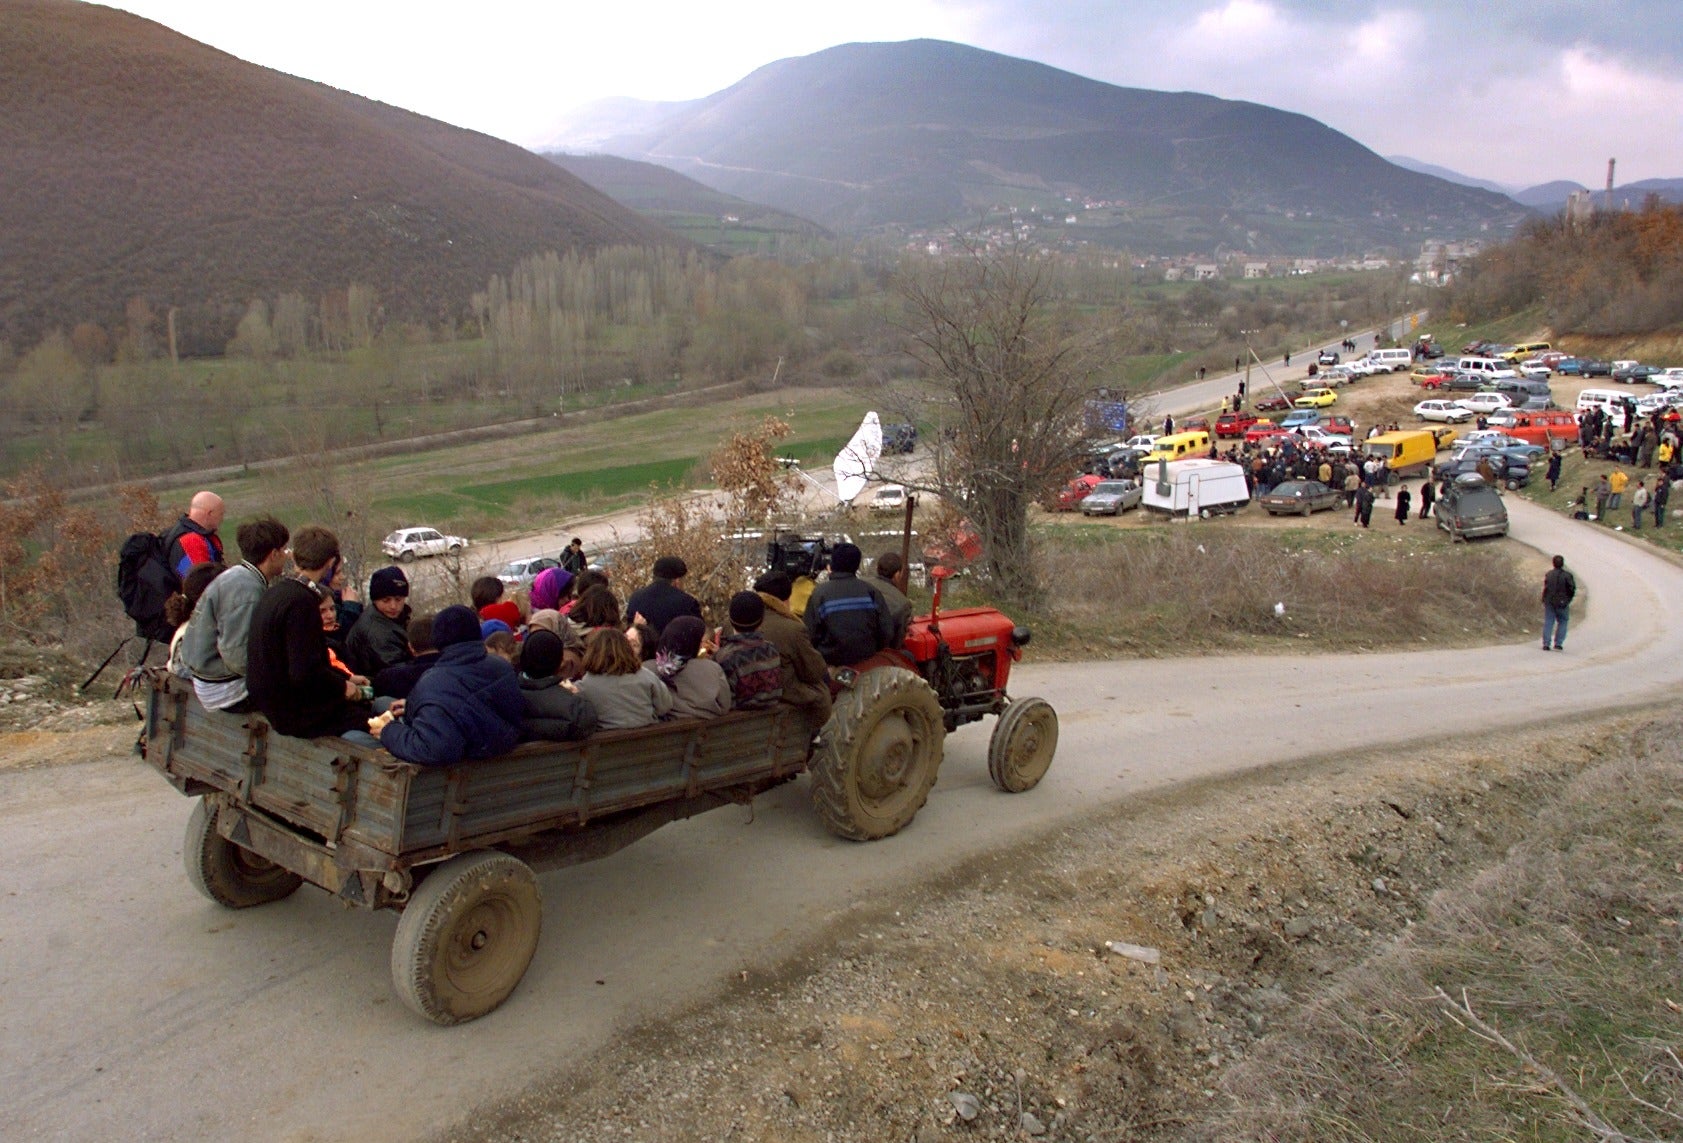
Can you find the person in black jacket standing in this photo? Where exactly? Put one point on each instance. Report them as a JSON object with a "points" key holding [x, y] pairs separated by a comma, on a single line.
{"points": [[663, 600], [287, 670], [1559, 587]]}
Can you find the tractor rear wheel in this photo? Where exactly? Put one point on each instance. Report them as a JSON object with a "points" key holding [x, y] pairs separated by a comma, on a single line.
{"points": [[466, 936], [233, 877], [878, 755], [1021, 748]]}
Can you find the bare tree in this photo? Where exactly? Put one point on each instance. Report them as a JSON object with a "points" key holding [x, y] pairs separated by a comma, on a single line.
{"points": [[1012, 368]]}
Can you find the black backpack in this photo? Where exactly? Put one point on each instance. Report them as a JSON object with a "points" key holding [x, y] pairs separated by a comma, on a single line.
{"points": [[144, 584]]}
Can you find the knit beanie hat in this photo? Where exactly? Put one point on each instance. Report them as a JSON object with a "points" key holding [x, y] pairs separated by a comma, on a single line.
{"points": [[540, 656], [489, 627], [747, 610], [455, 624], [387, 583]]}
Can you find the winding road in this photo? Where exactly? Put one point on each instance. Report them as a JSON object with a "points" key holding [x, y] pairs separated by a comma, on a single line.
{"points": [[134, 1008]]}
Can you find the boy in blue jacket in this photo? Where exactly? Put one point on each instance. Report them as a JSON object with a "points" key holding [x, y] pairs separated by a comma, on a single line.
{"points": [[467, 706]]}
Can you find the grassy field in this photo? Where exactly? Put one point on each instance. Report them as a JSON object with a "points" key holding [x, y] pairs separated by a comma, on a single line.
{"points": [[519, 483]]}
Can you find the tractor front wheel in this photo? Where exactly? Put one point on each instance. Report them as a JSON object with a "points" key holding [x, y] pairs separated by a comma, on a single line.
{"points": [[878, 755], [1021, 748]]}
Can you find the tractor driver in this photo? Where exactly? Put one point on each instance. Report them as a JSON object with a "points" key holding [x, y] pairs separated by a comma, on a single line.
{"points": [[846, 617]]}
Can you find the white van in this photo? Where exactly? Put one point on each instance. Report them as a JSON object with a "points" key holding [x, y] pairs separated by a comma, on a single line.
{"points": [[1198, 487], [1489, 368], [1396, 360], [1609, 401]]}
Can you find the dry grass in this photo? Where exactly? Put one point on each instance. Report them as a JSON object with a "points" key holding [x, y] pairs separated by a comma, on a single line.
{"points": [[1175, 591], [1567, 951]]}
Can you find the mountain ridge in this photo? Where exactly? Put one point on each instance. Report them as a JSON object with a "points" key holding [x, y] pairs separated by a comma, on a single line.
{"points": [[925, 133], [144, 164]]}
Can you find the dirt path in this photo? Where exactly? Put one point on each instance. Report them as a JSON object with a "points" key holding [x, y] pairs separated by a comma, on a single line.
{"points": [[121, 973]]}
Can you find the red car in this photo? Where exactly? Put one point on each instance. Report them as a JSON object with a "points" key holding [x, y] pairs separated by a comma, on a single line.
{"points": [[1234, 424], [1270, 404], [1072, 494], [1340, 424], [1264, 431]]}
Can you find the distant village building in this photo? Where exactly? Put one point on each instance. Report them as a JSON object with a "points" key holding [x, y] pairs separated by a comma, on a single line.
{"points": [[1206, 272], [1173, 274], [1256, 269], [1580, 207]]}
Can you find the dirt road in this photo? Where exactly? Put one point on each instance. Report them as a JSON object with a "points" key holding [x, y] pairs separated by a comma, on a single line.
{"points": [[136, 1008]]}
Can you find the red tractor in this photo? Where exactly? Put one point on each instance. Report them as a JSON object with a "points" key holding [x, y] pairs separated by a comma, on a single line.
{"points": [[885, 738]]}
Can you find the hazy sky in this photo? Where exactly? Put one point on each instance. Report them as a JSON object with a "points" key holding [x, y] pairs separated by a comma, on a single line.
{"points": [[1519, 91]]}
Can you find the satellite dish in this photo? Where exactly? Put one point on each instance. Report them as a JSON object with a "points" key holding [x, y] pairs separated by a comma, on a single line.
{"points": [[857, 460]]}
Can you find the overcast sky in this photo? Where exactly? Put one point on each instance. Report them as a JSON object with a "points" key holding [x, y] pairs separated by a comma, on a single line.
{"points": [[1518, 91]]}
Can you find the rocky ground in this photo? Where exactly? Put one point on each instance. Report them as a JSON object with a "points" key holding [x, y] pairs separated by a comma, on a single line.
{"points": [[1096, 986]]}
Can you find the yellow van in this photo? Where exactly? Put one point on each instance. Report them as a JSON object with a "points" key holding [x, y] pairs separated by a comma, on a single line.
{"points": [[1405, 452], [1178, 446], [1526, 349]]}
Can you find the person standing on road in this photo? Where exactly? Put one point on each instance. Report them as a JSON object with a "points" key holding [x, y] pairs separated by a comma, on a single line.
{"points": [[1402, 504], [1662, 493], [1638, 504], [1428, 494], [1553, 474], [1603, 490], [1558, 589], [1616, 481]]}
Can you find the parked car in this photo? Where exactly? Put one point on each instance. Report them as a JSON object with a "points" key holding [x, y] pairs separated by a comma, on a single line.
{"points": [[407, 543], [1583, 367], [889, 498], [1633, 371], [1297, 418], [1265, 431], [1485, 402], [1318, 398], [1112, 498], [1470, 508], [1072, 494], [1271, 404], [1328, 357], [1234, 424], [1495, 438], [1428, 376], [1367, 367], [520, 572], [1534, 369], [1447, 411], [1300, 497], [1315, 434], [1514, 471], [1459, 382], [1670, 377], [1143, 442], [1338, 424]]}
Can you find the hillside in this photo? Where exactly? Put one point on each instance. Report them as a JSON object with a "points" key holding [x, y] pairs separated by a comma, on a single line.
{"points": [[926, 133], [697, 211], [142, 163], [1550, 197]]}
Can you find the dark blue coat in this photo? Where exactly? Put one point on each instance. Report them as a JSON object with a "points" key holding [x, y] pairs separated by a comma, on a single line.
{"points": [[467, 706]]}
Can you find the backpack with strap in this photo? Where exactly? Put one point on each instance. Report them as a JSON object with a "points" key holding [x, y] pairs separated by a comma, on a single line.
{"points": [[754, 667], [145, 583]]}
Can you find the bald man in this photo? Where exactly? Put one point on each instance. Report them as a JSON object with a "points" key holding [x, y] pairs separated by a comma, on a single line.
{"points": [[193, 540]]}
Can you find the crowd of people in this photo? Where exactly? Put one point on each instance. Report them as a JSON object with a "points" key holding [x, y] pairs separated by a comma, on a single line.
{"points": [[279, 633]]}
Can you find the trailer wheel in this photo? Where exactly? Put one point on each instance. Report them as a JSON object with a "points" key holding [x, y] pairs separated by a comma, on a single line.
{"points": [[233, 877], [878, 755], [1023, 742], [466, 936]]}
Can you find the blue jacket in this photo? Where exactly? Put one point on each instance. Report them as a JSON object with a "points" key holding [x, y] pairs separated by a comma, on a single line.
{"points": [[467, 706]]}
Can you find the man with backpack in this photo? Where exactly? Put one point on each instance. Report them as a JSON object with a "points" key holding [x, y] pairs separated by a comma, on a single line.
{"points": [[214, 648], [1559, 587], [193, 540]]}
